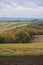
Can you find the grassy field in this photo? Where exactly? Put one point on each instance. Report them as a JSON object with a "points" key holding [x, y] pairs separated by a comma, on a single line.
{"points": [[21, 49], [4, 26]]}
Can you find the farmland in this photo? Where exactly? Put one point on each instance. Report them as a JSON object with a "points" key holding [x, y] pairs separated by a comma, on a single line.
{"points": [[4, 26], [21, 49], [21, 38], [37, 38], [9, 25]]}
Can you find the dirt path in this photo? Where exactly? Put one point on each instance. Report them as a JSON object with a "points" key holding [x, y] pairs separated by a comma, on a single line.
{"points": [[22, 60]]}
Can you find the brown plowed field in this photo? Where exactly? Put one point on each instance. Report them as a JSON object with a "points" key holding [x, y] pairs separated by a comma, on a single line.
{"points": [[37, 38], [22, 60]]}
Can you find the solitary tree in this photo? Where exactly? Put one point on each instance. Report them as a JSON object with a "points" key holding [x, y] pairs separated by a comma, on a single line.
{"points": [[21, 37]]}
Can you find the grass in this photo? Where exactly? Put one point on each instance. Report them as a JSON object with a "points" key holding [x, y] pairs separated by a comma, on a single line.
{"points": [[10, 25], [21, 49]]}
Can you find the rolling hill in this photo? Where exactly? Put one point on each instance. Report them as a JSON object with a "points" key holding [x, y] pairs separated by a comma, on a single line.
{"points": [[9, 25]]}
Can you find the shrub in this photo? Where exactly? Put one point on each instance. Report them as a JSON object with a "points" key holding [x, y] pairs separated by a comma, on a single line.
{"points": [[1, 40]]}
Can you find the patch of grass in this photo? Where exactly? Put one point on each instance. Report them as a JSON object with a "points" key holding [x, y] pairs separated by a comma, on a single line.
{"points": [[21, 49]]}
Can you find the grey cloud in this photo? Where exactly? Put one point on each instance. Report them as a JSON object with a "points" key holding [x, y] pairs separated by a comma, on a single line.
{"points": [[21, 2]]}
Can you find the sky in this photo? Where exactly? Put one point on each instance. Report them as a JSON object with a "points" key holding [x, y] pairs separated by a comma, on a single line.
{"points": [[21, 8]]}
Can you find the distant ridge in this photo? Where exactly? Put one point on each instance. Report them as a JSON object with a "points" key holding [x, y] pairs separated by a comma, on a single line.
{"points": [[16, 18]]}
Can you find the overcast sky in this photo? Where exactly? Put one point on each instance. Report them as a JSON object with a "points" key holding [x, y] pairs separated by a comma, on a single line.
{"points": [[21, 8]]}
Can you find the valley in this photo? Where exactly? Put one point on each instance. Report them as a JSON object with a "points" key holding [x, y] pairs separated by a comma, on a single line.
{"points": [[21, 38]]}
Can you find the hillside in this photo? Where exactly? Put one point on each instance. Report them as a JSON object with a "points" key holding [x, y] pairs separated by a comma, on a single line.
{"points": [[39, 22], [9, 25], [19, 32]]}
